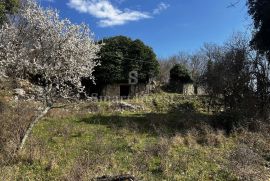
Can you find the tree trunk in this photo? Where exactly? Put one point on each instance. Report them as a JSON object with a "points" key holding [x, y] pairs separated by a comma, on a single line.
{"points": [[31, 126]]}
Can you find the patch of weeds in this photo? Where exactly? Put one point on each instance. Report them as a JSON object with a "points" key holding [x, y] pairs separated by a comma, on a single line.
{"points": [[246, 164]]}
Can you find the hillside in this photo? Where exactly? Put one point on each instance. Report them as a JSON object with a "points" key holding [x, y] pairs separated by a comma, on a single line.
{"points": [[116, 90], [156, 137]]}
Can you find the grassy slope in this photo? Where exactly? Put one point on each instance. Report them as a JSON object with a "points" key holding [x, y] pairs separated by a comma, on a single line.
{"points": [[165, 141]]}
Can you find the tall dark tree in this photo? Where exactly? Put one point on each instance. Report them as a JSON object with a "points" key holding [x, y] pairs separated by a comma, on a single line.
{"points": [[260, 12], [121, 55], [7, 7], [179, 73]]}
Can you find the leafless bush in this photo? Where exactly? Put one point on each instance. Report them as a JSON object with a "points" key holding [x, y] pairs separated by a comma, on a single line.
{"points": [[36, 152], [14, 121], [210, 137], [247, 165]]}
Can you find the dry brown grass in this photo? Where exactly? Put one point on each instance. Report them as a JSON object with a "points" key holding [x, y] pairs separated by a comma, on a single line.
{"points": [[14, 120], [251, 157], [247, 165], [167, 146]]}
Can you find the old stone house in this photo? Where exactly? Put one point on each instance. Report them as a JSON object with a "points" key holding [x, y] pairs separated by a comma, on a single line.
{"points": [[191, 89], [127, 90]]}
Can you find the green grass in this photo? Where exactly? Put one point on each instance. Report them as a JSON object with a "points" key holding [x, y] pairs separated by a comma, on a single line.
{"points": [[112, 148], [163, 142]]}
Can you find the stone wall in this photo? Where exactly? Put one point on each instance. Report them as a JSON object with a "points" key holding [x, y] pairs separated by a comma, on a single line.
{"points": [[113, 90], [139, 89], [188, 89], [201, 91]]}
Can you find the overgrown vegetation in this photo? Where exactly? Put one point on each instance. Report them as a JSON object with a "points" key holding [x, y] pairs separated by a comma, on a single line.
{"points": [[170, 137], [233, 75], [163, 136], [179, 75]]}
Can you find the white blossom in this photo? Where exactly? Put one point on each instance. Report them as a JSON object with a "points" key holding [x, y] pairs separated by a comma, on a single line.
{"points": [[39, 42]]}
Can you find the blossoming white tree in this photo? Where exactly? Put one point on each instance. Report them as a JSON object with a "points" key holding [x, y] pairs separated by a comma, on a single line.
{"points": [[38, 43]]}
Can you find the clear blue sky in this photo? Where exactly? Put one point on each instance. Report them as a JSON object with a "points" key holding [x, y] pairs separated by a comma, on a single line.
{"points": [[169, 26]]}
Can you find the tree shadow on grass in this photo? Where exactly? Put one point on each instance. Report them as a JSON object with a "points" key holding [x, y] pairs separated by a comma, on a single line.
{"points": [[167, 124]]}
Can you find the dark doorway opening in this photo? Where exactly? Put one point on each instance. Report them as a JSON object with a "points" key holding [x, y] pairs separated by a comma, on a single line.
{"points": [[195, 89], [124, 90]]}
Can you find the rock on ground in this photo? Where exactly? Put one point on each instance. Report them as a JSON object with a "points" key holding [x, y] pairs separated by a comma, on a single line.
{"points": [[117, 178]]}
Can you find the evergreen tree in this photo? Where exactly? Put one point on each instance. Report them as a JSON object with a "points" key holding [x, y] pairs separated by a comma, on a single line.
{"points": [[180, 74], [259, 10], [121, 55]]}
